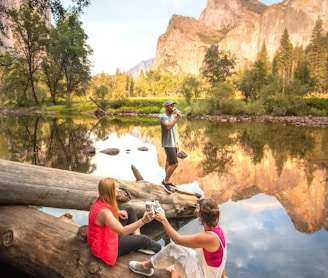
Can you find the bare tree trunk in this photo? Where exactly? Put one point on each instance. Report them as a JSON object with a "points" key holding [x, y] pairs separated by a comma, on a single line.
{"points": [[42, 186]]}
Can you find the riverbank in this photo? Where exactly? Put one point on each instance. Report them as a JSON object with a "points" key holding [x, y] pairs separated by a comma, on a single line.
{"points": [[293, 120], [314, 121]]}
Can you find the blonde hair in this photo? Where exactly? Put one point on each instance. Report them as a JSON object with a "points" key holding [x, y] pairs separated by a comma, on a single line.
{"points": [[106, 189]]}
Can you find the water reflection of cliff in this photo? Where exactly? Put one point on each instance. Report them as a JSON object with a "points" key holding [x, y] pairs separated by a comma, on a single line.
{"points": [[239, 161], [228, 160]]}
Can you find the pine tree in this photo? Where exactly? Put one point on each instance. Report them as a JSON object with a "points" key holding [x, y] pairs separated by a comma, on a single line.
{"points": [[254, 79], [217, 65], [302, 71], [317, 55], [210, 70], [264, 58], [284, 60]]}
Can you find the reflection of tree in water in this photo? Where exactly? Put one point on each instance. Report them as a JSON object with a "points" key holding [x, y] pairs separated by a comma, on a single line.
{"points": [[254, 147], [317, 158], [216, 144], [60, 142], [122, 125], [217, 160], [52, 143], [21, 132], [307, 145], [191, 135], [66, 145], [285, 142]]}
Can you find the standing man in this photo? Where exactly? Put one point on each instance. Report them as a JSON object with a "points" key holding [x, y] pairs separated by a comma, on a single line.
{"points": [[169, 142]]}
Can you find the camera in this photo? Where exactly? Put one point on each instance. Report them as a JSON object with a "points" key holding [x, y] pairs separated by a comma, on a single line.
{"points": [[153, 206]]}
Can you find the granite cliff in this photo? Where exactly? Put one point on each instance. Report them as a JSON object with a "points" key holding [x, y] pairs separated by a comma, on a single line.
{"points": [[7, 40], [240, 26]]}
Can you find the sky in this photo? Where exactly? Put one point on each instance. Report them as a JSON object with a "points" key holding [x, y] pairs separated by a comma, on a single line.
{"points": [[123, 33]]}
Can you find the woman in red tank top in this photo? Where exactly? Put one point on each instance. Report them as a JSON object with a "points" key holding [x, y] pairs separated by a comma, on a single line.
{"points": [[113, 232]]}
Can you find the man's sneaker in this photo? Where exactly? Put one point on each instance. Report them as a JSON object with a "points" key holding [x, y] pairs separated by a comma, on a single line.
{"points": [[171, 184], [146, 251], [133, 265], [167, 187]]}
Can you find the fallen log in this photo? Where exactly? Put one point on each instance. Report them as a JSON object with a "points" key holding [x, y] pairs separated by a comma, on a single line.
{"points": [[43, 245], [25, 184]]}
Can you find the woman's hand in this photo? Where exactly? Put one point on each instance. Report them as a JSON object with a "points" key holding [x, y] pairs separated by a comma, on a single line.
{"points": [[148, 217], [123, 214], [160, 216]]}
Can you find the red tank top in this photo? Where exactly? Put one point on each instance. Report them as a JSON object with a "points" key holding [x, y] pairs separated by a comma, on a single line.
{"points": [[102, 240], [214, 259]]}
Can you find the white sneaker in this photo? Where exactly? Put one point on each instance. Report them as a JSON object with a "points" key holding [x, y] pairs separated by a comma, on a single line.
{"points": [[134, 267]]}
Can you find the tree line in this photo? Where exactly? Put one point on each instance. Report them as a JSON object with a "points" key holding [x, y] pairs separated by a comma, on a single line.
{"points": [[284, 86], [48, 64]]}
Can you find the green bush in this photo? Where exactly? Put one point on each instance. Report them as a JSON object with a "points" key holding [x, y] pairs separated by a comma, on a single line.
{"points": [[219, 101], [318, 103], [202, 107], [317, 112], [125, 109], [256, 108], [234, 107], [148, 110]]}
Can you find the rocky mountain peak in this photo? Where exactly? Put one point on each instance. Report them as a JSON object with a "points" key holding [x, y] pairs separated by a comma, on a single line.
{"points": [[229, 14], [240, 26], [184, 35]]}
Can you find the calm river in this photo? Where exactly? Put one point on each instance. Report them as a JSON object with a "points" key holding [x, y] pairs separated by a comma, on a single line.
{"points": [[269, 179]]}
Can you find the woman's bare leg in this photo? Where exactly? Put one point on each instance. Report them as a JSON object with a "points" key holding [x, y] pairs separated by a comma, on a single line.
{"points": [[146, 264], [174, 274]]}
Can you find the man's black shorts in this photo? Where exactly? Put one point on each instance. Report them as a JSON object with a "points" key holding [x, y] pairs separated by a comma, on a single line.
{"points": [[171, 155]]}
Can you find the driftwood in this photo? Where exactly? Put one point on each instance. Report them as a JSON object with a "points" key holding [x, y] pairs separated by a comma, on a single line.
{"points": [[23, 184], [100, 112], [42, 245]]}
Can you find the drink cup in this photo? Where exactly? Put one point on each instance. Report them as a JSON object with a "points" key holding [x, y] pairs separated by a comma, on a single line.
{"points": [[150, 207]]}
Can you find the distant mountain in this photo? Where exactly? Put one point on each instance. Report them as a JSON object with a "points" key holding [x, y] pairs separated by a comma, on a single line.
{"points": [[143, 66], [240, 26]]}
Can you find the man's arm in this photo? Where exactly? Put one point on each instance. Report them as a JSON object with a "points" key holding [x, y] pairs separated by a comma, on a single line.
{"points": [[168, 125]]}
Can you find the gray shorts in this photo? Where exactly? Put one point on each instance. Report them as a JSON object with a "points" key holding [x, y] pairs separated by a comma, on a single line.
{"points": [[171, 155]]}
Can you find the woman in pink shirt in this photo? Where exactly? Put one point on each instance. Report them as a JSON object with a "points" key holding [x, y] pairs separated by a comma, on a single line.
{"points": [[201, 255], [113, 232]]}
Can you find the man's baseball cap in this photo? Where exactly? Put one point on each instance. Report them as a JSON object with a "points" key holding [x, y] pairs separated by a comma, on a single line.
{"points": [[168, 102]]}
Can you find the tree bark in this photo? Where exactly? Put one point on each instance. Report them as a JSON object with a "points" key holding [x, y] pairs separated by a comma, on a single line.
{"points": [[42, 245], [25, 184]]}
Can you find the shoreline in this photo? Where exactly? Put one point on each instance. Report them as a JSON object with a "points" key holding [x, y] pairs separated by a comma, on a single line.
{"points": [[310, 121]]}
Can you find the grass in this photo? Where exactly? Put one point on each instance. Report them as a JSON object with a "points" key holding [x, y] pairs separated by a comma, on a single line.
{"points": [[313, 105]]}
